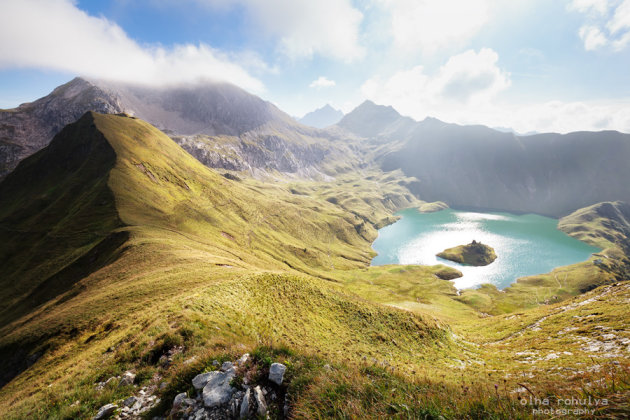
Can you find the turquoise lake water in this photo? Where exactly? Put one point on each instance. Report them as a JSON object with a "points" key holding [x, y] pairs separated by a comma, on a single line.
{"points": [[525, 244]]}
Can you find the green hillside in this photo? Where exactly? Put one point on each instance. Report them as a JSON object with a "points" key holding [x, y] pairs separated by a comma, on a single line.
{"points": [[121, 252]]}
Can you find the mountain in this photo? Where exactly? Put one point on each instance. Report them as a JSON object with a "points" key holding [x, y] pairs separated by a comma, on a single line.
{"points": [[475, 166], [128, 268], [113, 220], [220, 124], [322, 117], [31, 126]]}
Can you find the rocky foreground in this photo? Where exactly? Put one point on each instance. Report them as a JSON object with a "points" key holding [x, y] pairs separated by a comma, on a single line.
{"points": [[235, 390]]}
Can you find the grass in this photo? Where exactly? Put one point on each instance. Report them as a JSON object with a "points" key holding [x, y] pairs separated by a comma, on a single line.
{"points": [[210, 268]]}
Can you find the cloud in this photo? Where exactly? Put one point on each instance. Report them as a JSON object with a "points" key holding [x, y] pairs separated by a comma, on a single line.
{"points": [[465, 91], [467, 88], [464, 81], [590, 6], [593, 38], [608, 23], [429, 25], [305, 28], [322, 82], [55, 34]]}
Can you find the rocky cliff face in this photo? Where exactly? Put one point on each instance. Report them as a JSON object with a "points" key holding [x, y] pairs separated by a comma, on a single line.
{"points": [[31, 126], [220, 124], [475, 166]]}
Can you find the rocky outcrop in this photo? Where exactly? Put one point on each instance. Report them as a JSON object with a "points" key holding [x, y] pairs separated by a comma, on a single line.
{"points": [[230, 393], [478, 167], [220, 124], [475, 254], [31, 126]]}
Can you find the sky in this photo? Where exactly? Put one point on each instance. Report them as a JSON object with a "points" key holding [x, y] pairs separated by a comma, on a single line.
{"points": [[527, 65]]}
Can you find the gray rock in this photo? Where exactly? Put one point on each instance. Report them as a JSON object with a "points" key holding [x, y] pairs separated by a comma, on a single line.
{"points": [[227, 366], [105, 411], [276, 373], [130, 401], [244, 358], [127, 379], [201, 380], [260, 402], [110, 380], [179, 398], [246, 404], [218, 389]]}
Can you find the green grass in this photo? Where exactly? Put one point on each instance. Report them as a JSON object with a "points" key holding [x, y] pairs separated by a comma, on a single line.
{"points": [[218, 267]]}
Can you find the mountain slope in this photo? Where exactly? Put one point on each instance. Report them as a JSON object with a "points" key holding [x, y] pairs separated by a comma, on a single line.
{"points": [[31, 126], [475, 166], [195, 255], [322, 117], [220, 124]]}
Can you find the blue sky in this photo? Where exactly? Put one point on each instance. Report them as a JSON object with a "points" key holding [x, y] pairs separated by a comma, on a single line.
{"points": [[533, 65]]}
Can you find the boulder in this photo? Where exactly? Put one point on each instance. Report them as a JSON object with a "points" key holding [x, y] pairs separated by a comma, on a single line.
{"points": [[127, 379], [179, 398], [218, 389], [201, 380], [276, 373], [130, 401], [105, 411], [260, 402], [246, 404], [244, 358]]}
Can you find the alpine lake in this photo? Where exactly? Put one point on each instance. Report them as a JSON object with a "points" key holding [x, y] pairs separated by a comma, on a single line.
{"points": [[525, 244]]}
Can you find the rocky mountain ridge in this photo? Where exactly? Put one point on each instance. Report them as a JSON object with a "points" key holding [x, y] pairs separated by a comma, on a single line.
{"points": [[322, 117], [478, 167], [220, 124]]}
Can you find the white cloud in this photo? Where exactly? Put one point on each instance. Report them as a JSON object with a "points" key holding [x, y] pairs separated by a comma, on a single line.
{"points": [[620, 19], [593, 38], [428, 25], [608, 23], [55, 34], [305, 28], [466, 90], [590, 6], [465, 80], [322, 82]]}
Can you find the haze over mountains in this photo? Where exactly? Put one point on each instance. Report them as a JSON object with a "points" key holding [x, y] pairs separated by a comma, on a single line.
{"points": [[465, 166], [220, 124], [475, 166], [123, 253], [322, 117]]}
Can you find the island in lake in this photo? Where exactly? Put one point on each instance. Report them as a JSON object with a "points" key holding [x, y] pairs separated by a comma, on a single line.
{"points": [[475, 253]]}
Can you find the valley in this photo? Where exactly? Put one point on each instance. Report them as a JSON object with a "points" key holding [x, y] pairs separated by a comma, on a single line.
{"points": [[154, 242]]}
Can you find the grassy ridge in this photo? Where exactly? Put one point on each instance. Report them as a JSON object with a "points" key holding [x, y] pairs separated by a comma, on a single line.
{"points": [[215, 267]]}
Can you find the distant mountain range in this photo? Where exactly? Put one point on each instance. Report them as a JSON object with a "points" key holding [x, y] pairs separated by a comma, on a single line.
{"points": [[220, 124], [475, 166], [322, 117], [465, 166]]}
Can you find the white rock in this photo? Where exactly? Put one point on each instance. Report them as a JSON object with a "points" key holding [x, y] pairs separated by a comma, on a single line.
{"points": [[276, 373], [127, 379], [244, 358], [245, 405], [260, 401], [218, 389], [178, 399], [105, 411], [201, 380]]}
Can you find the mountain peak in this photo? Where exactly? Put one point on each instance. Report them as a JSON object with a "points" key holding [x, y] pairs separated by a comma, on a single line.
{"points": [[322, 117], [369, 119]]}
